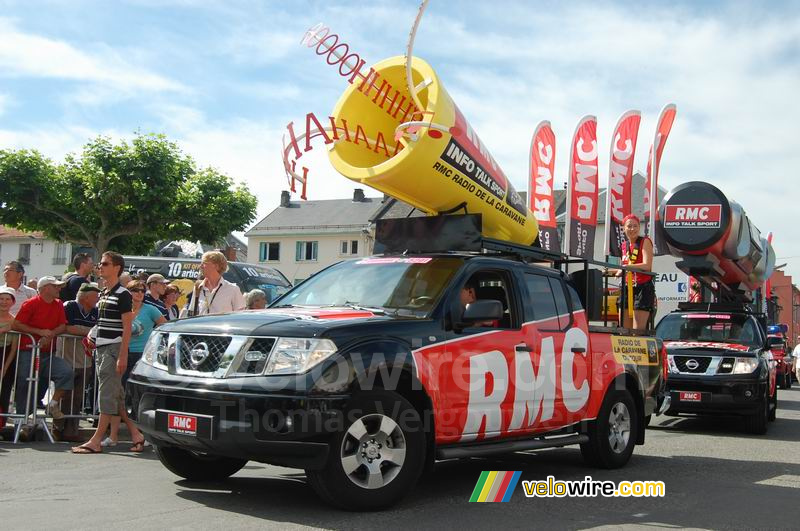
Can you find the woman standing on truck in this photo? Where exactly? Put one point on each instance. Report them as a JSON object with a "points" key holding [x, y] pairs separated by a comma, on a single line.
{"points": [[637, 253]]}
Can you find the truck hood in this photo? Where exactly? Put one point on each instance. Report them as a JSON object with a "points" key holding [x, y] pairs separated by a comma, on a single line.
{"points": [[711, 345], [299, 322]]}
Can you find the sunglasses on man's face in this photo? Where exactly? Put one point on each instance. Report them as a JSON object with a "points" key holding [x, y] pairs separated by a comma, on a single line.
{"points": [[136, 290], [104, 264]]}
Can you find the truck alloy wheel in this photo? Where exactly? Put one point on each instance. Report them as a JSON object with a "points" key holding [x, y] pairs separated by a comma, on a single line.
{"points": [[373, 451], [619, 428], [377, 458], [612, 435]]}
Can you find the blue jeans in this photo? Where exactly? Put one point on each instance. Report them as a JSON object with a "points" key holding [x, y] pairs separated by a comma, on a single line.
{"points": [[62, 375]]}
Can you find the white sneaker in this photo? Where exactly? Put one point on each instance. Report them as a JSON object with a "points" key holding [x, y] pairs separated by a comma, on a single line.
{"points": [[108, 442], [53, 410]]}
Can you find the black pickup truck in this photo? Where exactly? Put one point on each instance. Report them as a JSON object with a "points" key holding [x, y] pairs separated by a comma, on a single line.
{"points": [[375, 367], [720, 363]]}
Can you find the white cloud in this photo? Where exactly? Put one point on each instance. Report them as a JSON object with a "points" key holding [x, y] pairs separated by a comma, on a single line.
{"points": [[5, 102], [29, 55], [55, 141]]}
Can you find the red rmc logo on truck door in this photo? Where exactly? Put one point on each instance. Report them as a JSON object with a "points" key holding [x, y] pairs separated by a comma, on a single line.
{"points": [[508, 382]]}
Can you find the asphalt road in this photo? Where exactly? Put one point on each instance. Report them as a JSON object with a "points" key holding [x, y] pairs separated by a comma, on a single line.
{"points": [[715, 475]]}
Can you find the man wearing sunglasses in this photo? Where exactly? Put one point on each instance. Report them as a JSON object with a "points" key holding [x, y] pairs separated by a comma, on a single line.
{"points": [[115, 318]]}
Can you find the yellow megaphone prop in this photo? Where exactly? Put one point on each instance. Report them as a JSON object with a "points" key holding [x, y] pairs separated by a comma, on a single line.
{"points": [[443, 166]]}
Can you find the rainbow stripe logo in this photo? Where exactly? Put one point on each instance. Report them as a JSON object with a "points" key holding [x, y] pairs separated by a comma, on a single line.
{"points": [[495, 486]]}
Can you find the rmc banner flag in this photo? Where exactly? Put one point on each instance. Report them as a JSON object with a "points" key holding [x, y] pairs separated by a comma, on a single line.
{"points": [[540, 185], [581, 218], [620, 180], [665, 120]]}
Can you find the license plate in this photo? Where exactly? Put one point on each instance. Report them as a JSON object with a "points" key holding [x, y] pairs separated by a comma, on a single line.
{"points": [[185, 424], [691, 396], [190, 425]]}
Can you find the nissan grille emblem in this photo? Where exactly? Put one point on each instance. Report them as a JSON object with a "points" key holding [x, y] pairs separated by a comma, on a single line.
{"points": [[691, 364], [198, 354]]}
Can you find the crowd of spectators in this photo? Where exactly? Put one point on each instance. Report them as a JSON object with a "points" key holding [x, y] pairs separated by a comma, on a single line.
{"points": [[91, 326]]}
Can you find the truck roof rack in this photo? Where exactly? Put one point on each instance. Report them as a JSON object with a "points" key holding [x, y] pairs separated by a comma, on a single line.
{"points": [[730, 307], [450, 233]]}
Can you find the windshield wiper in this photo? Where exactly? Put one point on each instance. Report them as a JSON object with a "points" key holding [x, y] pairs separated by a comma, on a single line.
{"points": [[374, 309]]}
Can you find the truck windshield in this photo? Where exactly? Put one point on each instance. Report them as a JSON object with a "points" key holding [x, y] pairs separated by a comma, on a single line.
{"points": [[410, 285], [718, 328]]}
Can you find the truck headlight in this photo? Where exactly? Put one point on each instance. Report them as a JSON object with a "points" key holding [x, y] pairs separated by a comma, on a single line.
{"points": [[155, 350], [298, 355], [745, 365]]}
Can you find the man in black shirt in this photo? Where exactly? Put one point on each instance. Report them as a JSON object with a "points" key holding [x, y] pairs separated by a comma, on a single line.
{"points": [[115, 317], [83, 264]]}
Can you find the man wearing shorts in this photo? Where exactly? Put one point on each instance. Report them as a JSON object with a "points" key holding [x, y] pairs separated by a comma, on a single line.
{"points": [[115, 317]]}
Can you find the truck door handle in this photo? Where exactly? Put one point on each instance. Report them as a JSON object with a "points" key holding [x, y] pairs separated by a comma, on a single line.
{"points": [[522, 347], [578, 350]]}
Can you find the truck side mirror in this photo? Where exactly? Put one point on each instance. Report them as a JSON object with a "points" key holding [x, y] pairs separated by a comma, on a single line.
{"points": [[482, 310]]}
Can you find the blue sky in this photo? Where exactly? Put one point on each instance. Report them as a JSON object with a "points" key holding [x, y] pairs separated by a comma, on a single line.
{"points": [[224, 78]]}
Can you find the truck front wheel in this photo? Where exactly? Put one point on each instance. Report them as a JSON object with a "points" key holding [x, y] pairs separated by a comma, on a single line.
{"points": [[198, 467], [377, 458], [612, 435], [757, 422]]}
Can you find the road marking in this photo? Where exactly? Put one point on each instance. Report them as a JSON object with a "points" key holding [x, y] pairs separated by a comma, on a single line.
{"points": [[793, 482]]}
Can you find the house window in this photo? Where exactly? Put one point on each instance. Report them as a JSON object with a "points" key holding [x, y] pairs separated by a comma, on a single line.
{"points": [[348, 247], [269, 251], [25, 253], [305, 251], [60, 256]]}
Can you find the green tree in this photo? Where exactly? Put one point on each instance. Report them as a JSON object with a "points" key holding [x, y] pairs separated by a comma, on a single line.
{"points": [[122, 196]]}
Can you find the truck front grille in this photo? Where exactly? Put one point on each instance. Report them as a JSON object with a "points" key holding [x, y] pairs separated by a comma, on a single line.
{"points": [[202, 353], [692, 364]]}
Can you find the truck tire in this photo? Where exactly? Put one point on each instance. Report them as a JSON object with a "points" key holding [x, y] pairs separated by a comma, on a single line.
{"points": [[773, 410], [197, 467], [757, 422], [612, 435], [375, 460]]}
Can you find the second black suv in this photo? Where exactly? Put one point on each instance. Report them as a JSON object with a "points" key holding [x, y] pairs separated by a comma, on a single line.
{"points": [[720, 363]]}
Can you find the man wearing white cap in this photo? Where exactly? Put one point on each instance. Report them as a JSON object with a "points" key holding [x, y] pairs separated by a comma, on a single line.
{"points": [[156, 287], [43, 318], [12, 274]]}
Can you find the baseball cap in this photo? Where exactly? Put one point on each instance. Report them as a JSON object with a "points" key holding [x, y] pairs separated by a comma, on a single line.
{"points": [[156, 277], [8, 291], [88, 286], [46, 281]]}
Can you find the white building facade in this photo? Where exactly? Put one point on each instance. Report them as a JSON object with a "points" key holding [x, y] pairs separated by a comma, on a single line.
{"points": [[39, 255], [300, 238]]}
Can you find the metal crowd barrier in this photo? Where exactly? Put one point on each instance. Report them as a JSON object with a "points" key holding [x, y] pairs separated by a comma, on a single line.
{"points": [[80, 403], [10, 377]]}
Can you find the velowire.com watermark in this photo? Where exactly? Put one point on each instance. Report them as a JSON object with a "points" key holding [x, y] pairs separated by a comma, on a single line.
{"points": [[587, 487], [498, 486]]}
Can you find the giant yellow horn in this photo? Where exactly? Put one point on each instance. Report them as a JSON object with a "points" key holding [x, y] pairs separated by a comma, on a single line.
{"points": [[442, 167]]}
